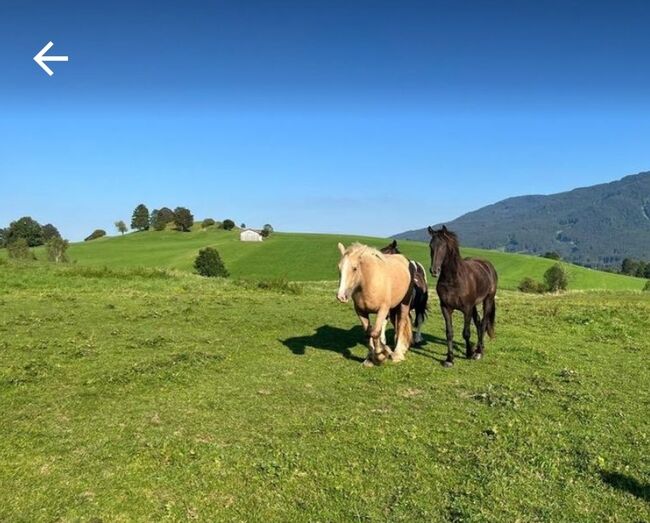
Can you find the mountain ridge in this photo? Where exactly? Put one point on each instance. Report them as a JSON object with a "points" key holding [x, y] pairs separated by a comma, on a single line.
{"points": [[595, 226]]}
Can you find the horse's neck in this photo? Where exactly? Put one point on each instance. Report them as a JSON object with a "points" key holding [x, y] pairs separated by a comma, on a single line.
{"points": [[451, 265]]}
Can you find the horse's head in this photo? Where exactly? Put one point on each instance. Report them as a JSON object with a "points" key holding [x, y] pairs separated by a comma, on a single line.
{"points": [[442, 243], [354, 260], [391, 248]]}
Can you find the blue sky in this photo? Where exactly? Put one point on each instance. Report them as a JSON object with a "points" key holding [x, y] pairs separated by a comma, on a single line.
{"points": [[352, 117]]}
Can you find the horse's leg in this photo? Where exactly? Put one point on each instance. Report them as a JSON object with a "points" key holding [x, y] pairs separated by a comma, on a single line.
{"points": [[365, 324], [383, 331], [467, 319], [480, 331], [404, 333], [380, 350], [449, 331]]}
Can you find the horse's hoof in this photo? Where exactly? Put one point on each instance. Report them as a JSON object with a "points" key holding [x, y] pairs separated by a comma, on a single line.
{"points": [[396, 358], [367, 363], [477, 356], [446, 364]]}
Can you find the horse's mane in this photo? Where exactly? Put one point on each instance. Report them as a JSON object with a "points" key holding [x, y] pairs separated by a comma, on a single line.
{"points": [[359, 249], [453, 247]]}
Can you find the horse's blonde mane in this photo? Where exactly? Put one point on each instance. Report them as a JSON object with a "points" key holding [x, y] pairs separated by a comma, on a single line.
{"points": [[360, 249]]}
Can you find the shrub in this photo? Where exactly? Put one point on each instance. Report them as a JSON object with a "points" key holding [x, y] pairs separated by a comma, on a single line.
{"points": [[228, 225], [647, 286], [209, 263], [208, 222], [265, 233], [530, 285], [556, 278], [97, 233], [183, 219], [56, 248], [19, 250], [552, 255]]}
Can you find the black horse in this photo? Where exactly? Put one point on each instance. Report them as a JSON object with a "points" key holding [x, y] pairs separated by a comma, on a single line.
{"points": [[462, 285], [420, 298]]}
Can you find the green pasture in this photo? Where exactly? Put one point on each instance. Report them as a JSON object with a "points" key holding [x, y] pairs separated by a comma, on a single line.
{"points": [[156, 395]]}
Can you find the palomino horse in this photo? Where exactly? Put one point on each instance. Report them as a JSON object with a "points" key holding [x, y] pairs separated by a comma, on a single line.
{"points": [[419, 302], [378, 284], [462, 285]]}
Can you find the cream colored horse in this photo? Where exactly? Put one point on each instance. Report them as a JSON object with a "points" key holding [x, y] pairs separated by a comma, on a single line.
{"points": [[378, 284]]}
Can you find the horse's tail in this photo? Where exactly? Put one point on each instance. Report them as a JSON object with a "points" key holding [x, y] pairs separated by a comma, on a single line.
{"points": [[490, 312]]}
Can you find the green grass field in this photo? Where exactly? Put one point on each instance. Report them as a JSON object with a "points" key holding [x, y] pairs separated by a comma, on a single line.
{"points": [[302, 257], [152, 395]]}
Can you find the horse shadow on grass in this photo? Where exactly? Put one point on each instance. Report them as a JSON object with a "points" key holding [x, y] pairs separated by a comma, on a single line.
{"points": [[626, 484], [327, 337], [341, 341], [430, 348]]}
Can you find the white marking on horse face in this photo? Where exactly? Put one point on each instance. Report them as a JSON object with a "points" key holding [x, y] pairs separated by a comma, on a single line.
{"points": [[344, 267]]}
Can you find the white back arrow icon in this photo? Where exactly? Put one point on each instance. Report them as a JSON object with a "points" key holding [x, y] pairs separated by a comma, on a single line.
{"points": [[40, 58]]}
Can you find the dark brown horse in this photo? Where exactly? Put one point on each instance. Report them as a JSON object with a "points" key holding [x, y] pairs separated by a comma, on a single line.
{"points": [[462, 285], [420, 299]]}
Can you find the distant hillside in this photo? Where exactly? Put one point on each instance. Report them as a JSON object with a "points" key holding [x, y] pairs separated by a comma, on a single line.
{"points": [[593, 226], [299, 257]]}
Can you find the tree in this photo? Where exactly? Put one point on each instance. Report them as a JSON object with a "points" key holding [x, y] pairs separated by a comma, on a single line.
{"points": [[265, 233], [209, 263], [26, 228], [552, 255], [49, 231], [556, 278], [183, 219], [56, 248], [208, 222], [121, 226], [629, 266], [140, 218], [646, 287], [268, 227], [4, 233], [242, 225], [97, 233], [161, 217], [19, 250], [228, 224]]}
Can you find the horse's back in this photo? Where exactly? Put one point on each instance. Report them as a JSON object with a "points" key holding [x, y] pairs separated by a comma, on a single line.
{"points": [[485, 274]]}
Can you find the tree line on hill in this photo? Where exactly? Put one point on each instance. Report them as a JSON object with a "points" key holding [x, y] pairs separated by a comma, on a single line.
{"points": [[181, 218], [638, 268], [25, 233]]}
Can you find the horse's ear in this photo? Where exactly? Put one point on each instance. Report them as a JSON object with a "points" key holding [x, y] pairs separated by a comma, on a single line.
{"points": [[444, 228], [430, 229], [341, 248], [394, 244]]}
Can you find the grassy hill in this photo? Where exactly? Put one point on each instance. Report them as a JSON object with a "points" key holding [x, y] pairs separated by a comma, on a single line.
{"points": [[302, 257], [595, 226]]}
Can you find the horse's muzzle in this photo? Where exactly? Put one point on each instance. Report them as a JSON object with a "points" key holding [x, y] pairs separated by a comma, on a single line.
{"points": [[434, 273]]}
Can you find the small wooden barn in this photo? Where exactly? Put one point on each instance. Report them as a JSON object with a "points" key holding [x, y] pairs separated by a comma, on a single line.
{"points": [[250, 235]]}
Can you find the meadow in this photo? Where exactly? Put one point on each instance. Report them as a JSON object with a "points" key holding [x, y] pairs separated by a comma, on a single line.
{"points": [[133, 394], [302, 257]]}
